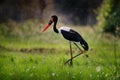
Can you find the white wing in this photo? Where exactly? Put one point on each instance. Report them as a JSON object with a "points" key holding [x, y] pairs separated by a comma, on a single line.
{"points": [[64, 28]]}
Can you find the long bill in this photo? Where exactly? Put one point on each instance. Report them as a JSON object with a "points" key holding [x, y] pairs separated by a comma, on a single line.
{"points": [[46, 27]]}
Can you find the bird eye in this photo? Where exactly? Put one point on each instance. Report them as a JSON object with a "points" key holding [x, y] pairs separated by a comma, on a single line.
{"points": [[51, 19], [50, 22]]}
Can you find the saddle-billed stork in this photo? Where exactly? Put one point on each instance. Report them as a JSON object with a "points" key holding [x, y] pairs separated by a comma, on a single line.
{"points": [[70, 35]]}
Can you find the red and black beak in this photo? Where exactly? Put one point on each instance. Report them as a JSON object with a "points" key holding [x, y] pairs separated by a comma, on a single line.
{"points": [[48, 25]]}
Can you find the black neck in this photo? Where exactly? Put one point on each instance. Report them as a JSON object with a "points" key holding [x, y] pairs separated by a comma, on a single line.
{"points": [[54, 27]]}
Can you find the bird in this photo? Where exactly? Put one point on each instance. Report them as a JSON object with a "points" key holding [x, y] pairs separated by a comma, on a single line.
{"points": [[69, 34]]}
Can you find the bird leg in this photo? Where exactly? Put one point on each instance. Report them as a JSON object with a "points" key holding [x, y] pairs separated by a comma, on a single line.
{"points": [[77, 46], [72, 57], [80, 49], [71, 63]]}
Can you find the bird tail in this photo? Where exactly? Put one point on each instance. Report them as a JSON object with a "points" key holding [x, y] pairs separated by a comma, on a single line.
{"points": [[85, 45]]}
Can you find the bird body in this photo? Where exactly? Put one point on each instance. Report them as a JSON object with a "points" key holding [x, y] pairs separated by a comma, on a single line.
{"points": [[70, 35], [67, 33]]}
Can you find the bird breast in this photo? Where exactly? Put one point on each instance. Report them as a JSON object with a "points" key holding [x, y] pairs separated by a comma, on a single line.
{"points": [[64, 28]]}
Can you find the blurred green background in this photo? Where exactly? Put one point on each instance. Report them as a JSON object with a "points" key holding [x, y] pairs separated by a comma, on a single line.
{"points": [[27, 53]]}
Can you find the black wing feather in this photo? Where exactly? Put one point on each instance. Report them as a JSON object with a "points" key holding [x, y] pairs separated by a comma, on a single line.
{"points": [[74, 36]]}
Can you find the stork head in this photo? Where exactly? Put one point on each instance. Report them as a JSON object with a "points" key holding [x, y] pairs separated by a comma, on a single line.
{"points": [[54, 19]]}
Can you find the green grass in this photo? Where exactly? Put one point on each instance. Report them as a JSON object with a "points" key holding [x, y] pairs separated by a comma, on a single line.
{"points": [[16, 65], [41, 56]]}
